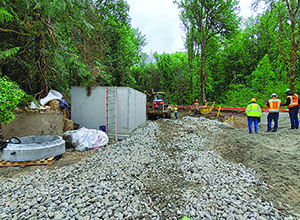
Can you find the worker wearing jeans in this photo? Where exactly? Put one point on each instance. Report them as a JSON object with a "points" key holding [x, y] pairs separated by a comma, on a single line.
{"points": [[253, 112], [175, 111], [292, 101], [196, 108], [274, 106]]}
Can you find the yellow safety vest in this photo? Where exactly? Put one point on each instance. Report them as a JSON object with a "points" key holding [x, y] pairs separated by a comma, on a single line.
{"points": [[253, 110], [175, 109]]}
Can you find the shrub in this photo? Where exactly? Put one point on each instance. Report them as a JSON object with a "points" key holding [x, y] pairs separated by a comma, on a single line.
{"points": [[10, 96]]}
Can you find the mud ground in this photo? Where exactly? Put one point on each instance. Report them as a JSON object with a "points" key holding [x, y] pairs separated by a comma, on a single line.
{"points": [[275, 156]]}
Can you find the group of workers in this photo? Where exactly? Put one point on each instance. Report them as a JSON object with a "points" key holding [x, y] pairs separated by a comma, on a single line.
{"points": [[196, 109], [253, 111]]}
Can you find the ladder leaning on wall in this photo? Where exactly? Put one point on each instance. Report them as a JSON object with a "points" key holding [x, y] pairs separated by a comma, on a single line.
{"points": [[111, 112]]}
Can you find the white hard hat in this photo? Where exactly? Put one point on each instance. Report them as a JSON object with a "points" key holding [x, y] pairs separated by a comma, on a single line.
{"points": [[274, 94]]}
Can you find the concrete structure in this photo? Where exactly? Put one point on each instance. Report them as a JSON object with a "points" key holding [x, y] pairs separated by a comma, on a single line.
{"points": [[34, 148], [29, 124], [90, 111]]}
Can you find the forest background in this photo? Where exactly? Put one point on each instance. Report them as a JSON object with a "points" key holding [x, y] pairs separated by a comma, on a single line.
{"points": [[56, 44]]}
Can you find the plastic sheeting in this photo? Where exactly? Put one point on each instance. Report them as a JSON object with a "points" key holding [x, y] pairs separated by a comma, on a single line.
{"points": [[85, 139]]}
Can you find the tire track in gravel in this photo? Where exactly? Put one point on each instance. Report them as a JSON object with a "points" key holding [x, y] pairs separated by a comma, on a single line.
{"points": [[167, 187]]}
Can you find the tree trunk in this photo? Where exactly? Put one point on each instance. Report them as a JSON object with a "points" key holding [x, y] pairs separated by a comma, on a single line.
{"points": [[202, 73], [190, 59], [75, 77], [203, 56], [40, 55], [293, 58], [293, 67], [43, 64], [122, 72], [294, 45]]}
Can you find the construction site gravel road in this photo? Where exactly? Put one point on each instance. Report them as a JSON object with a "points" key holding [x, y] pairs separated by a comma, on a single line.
{"points": [[200, 168], [275, 156]]}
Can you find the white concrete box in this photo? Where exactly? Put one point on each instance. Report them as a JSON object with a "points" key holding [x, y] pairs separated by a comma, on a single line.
{"points": [[90, 111]]}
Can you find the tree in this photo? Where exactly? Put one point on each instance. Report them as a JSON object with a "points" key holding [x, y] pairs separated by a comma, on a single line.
{"points": [[209, 18], [56, 44], [124, 44], [47, 34], [290, 12]]}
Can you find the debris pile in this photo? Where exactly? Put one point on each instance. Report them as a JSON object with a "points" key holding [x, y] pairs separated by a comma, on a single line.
{"points": [[53, 102]]}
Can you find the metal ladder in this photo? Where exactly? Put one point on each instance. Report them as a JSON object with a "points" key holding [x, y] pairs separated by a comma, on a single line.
{"points": [[111, 112]]}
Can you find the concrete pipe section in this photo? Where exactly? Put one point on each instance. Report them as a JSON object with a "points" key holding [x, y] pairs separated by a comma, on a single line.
{"points": [[34, 148]]}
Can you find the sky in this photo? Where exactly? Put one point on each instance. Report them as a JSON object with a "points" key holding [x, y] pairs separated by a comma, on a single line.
{"points": [[159, 21]]}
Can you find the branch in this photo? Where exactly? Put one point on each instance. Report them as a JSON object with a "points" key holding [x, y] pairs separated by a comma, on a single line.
{"points": [[7, 30], [51, 71], [283, 57], [24, 48], [38, 93]]}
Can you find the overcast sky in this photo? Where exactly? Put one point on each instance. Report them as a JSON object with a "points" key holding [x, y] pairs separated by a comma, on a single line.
{"points": [[159, 21]]}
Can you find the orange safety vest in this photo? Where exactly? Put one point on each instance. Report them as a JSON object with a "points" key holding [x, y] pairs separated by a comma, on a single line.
{"points": [[274, 105], [294, 100]]}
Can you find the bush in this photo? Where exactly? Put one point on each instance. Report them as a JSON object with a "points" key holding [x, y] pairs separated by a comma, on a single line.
{"points": [[10, 96]]}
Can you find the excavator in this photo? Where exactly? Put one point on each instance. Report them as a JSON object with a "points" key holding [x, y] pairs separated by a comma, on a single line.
{"points": [[156, 107]]}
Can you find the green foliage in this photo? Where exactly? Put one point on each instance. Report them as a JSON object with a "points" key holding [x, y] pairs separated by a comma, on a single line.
{"points": [[65, 43], [10, 97], [204, 21], [8, 53], [4, 15], [60, 43], [173, 76]]}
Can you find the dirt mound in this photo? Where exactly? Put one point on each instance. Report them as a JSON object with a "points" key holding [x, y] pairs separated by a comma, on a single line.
{"points": [[275, 156], [236, 119]]}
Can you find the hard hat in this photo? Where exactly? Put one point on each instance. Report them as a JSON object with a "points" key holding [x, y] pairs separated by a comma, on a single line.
{"points": [[287, 90], [253, 100], [175, 105], [196, 100], [274, 94]]}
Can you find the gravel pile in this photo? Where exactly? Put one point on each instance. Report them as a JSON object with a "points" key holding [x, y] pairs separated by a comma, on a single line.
{"points": [[163, 171]]}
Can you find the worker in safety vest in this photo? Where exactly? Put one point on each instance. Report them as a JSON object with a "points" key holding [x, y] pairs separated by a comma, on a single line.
{"points": [[175, 111], [274, 106], [292, 101], [253, 112], [196, 108]]}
